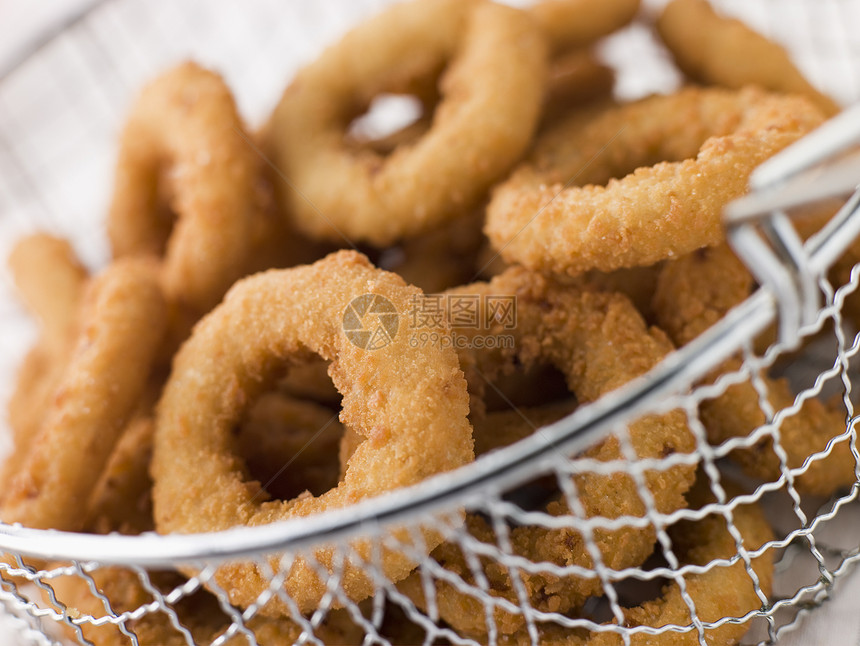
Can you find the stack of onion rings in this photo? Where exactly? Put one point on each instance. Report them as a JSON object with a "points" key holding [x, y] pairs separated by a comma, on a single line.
{"points": [[231, 440]]}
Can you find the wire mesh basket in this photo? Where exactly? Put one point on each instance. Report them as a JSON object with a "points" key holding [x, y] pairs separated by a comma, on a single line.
{"points": [[709, 579]]}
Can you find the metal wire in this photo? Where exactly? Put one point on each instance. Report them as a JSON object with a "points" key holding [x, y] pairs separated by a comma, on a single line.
{"points": [[60, 109]]}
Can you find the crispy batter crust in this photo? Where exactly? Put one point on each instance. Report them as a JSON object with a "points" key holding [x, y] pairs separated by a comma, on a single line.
{"points": [[409, 403], [479, 129], [693, 293], [562, 211], [188, 188], [123, 321], [599, 342]]}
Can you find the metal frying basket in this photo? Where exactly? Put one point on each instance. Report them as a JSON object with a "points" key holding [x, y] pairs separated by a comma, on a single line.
{"points": [[60, 111]]}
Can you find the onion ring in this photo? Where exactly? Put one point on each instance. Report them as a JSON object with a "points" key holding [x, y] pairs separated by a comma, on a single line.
{"points": [[123, 321], [693, 293], [723, 51], [184, 145], [540, 219], [447, 171], [50, 280], [292, 312], [718, 592], [574, 23], [599, 342]]}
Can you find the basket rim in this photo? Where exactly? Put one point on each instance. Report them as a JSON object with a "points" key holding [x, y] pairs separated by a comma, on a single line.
{"points": [[494, 472]]}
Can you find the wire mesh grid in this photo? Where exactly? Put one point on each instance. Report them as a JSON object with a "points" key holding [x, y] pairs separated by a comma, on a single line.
{"points": [[710, 576]]}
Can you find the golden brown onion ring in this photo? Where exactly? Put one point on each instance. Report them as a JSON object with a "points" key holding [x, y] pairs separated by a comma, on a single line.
{"points": [[479, 129], [599, 342], [716, 50], [693, 293], [562, 211], [189, 188], [409, 403], [122, 324]]}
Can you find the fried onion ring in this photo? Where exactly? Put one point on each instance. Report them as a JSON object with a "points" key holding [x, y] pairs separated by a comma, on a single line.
{"points": [[406, 402], [693, 293], [553, 215], [599, 342], [723, 51], [50, 280], [720, 591], [479, 129], [122, 324], [573, 23], [184, 145]]}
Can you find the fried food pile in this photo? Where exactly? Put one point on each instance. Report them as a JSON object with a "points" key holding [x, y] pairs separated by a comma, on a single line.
{"points": [[302, 318]]}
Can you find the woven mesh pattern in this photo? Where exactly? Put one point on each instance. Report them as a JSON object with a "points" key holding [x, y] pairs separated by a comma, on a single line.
{"points": [[709, 576]]}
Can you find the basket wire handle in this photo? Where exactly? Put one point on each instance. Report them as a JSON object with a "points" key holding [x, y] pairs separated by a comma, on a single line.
{"points": [[824, 164]]}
